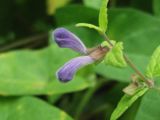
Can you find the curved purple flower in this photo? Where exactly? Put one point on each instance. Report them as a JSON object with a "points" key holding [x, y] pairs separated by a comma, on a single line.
{"points": [[66, 72], [66, 39]]}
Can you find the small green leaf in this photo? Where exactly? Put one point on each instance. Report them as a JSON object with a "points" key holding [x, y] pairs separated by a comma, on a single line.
{"points": [[125, 102], [115, 56], [89, 26], [103, 20], [153, 69]]}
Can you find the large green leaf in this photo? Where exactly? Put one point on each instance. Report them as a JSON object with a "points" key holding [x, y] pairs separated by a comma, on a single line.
{"points": [[126, 102], [153, 69], [138, 30], [29, 108], [28, 72], [149, 107]]}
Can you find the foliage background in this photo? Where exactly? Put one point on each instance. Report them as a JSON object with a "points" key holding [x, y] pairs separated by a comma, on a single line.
{"points": [[28, 86]]}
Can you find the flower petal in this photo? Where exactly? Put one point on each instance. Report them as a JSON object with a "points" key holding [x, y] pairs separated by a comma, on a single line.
{"points": [[66, 39], [66, 72]]}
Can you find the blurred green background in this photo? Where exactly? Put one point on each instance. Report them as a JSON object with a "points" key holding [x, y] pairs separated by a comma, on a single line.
{"points": [[29, 59]]}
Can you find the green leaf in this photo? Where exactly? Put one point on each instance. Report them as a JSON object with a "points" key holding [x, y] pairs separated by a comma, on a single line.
{"points": [[149, 107], [156, 7], [103, 20], [131, 112], [89, 26], [129, 25], [33, 72], [125, 102], [153, 69], [29, 108], [115, 56]]}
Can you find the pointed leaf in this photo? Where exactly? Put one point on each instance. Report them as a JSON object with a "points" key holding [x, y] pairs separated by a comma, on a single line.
{"points": [[153, 69], [125, 102], [103, 20]]}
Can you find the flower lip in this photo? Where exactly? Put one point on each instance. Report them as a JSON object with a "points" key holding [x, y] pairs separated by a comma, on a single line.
{"points": [[66, 39], [66, 72]]}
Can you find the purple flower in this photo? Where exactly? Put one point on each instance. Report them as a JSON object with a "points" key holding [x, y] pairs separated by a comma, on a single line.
{"points": [[66, 72], [66, 39]]}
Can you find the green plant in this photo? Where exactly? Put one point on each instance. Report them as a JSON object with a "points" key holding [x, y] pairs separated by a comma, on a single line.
{"points": [[115, 56]]}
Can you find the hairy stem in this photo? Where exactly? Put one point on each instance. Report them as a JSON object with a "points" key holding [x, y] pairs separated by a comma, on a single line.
{"points": [[130, 63]]}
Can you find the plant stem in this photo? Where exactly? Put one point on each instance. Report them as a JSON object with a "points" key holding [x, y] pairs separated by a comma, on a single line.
{"points": [[129, 62]]}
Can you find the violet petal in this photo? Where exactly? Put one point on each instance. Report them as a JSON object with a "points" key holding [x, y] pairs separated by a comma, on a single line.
{"points": [[66, 72], [66, 39]]}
